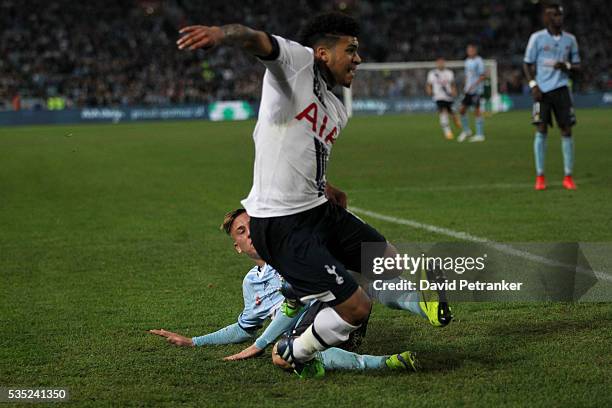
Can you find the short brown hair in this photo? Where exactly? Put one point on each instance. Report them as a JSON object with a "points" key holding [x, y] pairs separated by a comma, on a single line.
{"points": [[229, 218]]}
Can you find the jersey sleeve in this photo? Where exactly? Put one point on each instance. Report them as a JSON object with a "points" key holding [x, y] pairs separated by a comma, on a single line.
{"points": [[287, 59], [574, 57], [281, 324], [531, 50], [430, 78]]}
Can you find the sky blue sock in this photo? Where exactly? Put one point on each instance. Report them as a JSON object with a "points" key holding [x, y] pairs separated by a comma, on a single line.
{"points": [[567, 145], [479, 125], [539, 150], [337, 359], [399, 300], [465, 124]]}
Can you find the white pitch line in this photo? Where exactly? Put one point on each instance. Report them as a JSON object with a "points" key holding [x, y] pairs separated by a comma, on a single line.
{"points": [[507, 249]]}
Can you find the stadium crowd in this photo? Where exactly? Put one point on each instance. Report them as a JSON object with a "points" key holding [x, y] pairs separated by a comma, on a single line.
{"points": [[123, 52]]}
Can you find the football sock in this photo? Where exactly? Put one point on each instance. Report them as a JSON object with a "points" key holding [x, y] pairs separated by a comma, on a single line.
{"points": [[444, 122], [479, 125], [230, 334], [327, 330], [338, 359], [394, 299], [567, 145], [539, 150], [465, 124]]}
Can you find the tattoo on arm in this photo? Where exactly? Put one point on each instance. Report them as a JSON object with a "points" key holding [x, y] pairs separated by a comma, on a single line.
{"points": [[252, 41], [237, 34]]}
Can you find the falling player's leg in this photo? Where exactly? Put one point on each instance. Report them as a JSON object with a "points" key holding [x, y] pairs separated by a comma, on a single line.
{"points": [[338, 359], [295, 246], [429, 304]]}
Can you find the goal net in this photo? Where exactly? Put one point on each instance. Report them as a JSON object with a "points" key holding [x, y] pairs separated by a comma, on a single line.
{"points": [[396, 87]]}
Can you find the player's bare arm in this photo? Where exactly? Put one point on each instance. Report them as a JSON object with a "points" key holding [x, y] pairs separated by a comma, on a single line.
{"points": [[530, 71], [173, 338], [249, 352], [199, 36], [428, 89]]}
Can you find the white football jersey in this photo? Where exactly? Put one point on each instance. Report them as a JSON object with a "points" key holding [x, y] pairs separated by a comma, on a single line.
{"points": [[441, 83], [298, 122]]}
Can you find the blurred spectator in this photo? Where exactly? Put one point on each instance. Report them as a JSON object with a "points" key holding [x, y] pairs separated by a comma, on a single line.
{"points": [[123, 53]]}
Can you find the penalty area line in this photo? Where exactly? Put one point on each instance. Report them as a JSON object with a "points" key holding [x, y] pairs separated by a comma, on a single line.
{"points": [[464, 236]]}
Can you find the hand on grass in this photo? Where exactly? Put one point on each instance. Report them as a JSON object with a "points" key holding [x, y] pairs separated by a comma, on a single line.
{"points": [[251, 351]]}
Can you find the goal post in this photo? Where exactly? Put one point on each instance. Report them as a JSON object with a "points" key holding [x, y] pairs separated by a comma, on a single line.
{"points": [[422, 67]]}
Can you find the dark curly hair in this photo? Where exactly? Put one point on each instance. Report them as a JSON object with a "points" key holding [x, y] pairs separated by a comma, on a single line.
{"points": [[328, 27]]}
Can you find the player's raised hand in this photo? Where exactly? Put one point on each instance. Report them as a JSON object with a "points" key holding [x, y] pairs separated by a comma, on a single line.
{"points": [[173, 338], [199, 36], [251, 351]]}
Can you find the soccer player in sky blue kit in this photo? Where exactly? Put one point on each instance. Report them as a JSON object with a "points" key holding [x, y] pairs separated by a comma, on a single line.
{"points": [[550, 56], [473, 89], [263, 300]]}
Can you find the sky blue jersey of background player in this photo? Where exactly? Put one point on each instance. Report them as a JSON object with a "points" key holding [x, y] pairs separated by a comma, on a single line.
{"points": [[544, 50], [474, 68]]}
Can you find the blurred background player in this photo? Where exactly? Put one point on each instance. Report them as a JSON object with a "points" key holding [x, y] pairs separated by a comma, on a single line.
{"points": [[474, 87], [441, 87], [550, 56]]}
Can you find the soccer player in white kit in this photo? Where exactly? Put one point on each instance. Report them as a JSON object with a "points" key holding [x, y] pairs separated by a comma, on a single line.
{"points": [[299, 223], [441, 87]]}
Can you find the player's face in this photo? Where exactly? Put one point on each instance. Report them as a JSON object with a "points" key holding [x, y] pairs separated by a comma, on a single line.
{"points": [[440, 63], [241, 234], [554, 17], [343, 60], [471, 51]]}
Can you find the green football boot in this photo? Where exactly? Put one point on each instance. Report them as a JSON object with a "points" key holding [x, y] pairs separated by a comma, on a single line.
{"points": [[433, 303], [403, 361]]}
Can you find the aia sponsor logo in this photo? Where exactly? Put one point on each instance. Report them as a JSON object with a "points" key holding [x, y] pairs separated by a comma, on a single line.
{"points": [[311, 114]]}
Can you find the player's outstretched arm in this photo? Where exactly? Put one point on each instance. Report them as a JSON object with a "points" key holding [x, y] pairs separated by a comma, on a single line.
{"points": [[198, 36], [173, 338]]}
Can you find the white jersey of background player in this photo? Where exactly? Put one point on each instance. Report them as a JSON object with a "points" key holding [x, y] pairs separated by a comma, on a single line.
{"points": [[441, 87]]}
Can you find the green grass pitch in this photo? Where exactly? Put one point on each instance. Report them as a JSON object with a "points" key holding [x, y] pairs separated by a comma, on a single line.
{"points": [[109, 230]]}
